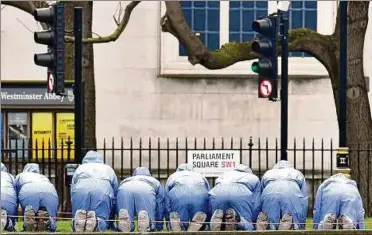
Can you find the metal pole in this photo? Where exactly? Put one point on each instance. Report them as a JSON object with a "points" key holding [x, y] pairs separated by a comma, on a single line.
{"points": [[343, 73], [342, 157], [284, 87], [83, 151], [79, 96]]}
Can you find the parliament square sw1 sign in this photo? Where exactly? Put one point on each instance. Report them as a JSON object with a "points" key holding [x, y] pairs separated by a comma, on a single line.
{"points": [[213, 163]]}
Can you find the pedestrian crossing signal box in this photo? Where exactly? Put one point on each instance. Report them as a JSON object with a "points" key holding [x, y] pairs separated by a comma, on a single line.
{"points": [[69, 173], [342, 158]]}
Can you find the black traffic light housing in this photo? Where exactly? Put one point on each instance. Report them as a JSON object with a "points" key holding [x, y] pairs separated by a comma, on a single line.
{"points": [[266, 46], [54, 38]]}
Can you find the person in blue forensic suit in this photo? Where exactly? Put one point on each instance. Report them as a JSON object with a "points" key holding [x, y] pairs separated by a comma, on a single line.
{"points": [[9, 202], [186, 199], [284, 199], [140, 195], [38, 198], [93, 188], [236, 199], [338, 197]]}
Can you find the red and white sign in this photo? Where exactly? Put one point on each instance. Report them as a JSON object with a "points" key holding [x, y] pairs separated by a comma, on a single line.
{"points": [[50, 82], [265, 88], [213, 163]]}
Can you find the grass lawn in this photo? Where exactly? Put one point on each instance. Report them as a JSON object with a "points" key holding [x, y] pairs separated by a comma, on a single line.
{"points": [[65, 226]]}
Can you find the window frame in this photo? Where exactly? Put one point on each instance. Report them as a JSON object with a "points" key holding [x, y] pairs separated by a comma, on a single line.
{"points": [[173, 64], [30, 151]]}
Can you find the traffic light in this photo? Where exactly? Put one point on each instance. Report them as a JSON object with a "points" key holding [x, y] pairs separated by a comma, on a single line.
{"points": [[54, 38], [265, 45]]}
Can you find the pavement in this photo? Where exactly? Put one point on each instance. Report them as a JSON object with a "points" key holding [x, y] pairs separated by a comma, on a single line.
{"points": [[304, 232]]}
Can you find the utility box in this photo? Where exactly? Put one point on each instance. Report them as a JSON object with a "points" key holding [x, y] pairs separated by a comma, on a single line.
{"points": [[69, 173]]}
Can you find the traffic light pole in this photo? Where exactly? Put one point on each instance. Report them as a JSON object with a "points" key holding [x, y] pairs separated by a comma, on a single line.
{"points": [[78, 87], [284, 86]]}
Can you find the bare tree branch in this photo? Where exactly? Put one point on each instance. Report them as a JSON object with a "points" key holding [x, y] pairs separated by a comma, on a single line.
{"points": [[28, 7], [96, 34], [174, 22], [116, 21], [115, 35], [24, 25], [118, 9]]}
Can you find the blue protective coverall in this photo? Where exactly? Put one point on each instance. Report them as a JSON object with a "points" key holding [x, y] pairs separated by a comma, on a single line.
{"points": [[339, 196], [284, 191], [186, 192], [35, 189], [8, 197], [93, 188], [238, 189], [142, 192]]}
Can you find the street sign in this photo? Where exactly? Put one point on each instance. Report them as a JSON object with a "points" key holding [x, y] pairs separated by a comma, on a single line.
{"points": [[213, 163], [342, 157], [265, 88], [50, 82]]}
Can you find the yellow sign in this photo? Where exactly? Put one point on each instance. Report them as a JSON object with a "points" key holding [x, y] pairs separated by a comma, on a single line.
{"points": [[42, 135], [65, 135]]}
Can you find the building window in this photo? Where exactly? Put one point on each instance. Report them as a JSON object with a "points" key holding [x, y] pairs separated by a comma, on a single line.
{"points": [[34, 134], [42, 134], [224, 21], [303, 14], [18, 134], [204, 19], [241, 16], [65, 133], [2, 142]]}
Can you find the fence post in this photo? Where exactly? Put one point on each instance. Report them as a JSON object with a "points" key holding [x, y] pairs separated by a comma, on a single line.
{"points": [[67, 201], [250, 145], [69, 142]]}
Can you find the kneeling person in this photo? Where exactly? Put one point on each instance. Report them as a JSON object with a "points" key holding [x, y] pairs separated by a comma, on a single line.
{"points": [[93, 189], [235, 199], [38, 198], [338, 198], [9, 202], [140, 195], [186, 199], [284, 195]]}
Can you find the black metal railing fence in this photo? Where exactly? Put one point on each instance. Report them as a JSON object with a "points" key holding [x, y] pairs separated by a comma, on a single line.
{"points": [[316, 160]]}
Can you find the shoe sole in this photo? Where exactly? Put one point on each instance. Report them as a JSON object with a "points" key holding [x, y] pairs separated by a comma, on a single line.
{"points": [[216, 220], [3, 219], [230, 220], [262, 222], [345, 223], [80, 220], [328, 223], [175, 222], [42, 223], [91, 222], [124, 221], [143, 222], [197, 222], [286, 222], [29, 223]]}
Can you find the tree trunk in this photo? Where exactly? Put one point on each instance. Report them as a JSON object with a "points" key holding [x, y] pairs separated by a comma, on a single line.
{"points": [[359, 123], [88, 68]]}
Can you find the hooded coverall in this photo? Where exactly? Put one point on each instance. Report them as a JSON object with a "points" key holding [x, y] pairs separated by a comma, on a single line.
{"points": [[339, 196], [93, 188], [284, 191]]}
